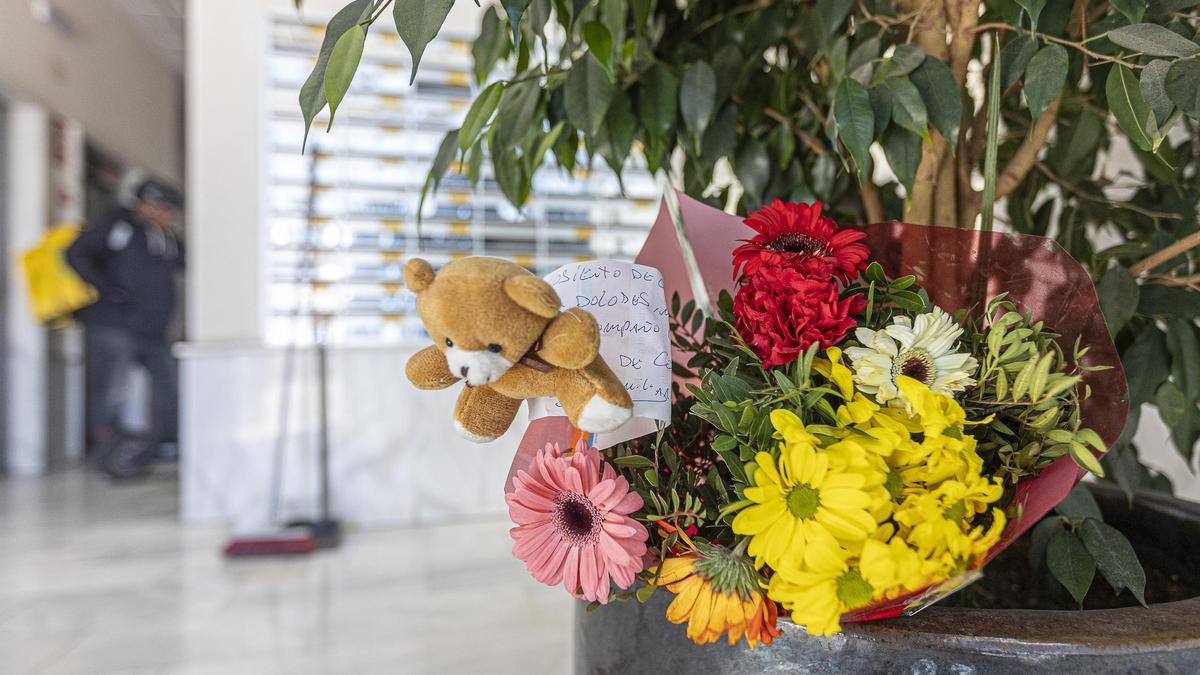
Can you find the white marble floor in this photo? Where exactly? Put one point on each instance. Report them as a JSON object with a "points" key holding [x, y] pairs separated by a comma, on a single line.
{"points": [[97, 578]]}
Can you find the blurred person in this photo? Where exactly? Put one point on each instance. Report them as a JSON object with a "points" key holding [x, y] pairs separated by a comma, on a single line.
{"points": [[131, 258]]}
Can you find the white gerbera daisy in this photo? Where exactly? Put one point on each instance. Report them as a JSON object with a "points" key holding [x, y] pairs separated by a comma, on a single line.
{"points": [[922, 349]]}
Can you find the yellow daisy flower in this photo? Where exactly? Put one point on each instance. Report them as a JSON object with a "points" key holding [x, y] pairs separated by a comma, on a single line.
{"points": [[803, 504]]}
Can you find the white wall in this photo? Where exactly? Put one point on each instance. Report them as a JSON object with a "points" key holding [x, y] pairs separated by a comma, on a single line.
{"points": [[105, 75]]}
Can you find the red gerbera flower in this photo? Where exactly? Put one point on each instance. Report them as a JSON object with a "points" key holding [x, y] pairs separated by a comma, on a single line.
{"points": [[797, 235], [780, 312]]}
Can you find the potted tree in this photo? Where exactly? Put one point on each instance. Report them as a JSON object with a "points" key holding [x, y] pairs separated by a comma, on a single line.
{"points": [[881, 109]]}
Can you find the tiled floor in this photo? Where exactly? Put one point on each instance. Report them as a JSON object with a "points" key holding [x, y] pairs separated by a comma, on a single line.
{"points": [[96, 578]]}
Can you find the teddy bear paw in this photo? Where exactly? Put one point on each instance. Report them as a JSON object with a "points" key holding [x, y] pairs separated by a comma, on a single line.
{"points": [[471, 436], [600, 415]]}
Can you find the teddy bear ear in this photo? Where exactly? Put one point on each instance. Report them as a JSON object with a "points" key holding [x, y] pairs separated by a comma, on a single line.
{"points": [[533, 294], [418, 275]]}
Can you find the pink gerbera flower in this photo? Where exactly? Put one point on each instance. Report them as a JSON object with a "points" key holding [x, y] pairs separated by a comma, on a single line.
{"points": [[573, 524]]}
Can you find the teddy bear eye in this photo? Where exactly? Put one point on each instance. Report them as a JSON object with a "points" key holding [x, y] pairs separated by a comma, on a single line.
{"points": [[495, 348], [449, 342]]}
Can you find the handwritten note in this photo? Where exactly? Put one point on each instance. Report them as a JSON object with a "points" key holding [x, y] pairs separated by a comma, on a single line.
{"points": [[630, 305]]}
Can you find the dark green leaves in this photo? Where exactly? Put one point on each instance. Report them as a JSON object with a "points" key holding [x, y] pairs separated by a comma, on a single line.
{"points": [[1156, 300], [1127, 105], [518, 106], [856, 122], [657, 102], [441, 163], [1070, 563], [697, 99], [1118, 293], [903, 151], [939, 91], [1153, 84], [1044, 78], [515, 9], [343, 63], [908, 110], [1014, 57], [489, 46], [600, 43], [1034, 8], [588, 95], [1153, 39], [479, 114], [1115, 557], [832, 13], [312, 94], [753, 167], [1183, 87], [1079, 504], [418, 22]]}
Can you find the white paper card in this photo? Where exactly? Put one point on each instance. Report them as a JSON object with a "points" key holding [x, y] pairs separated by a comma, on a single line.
{"points": [[630, 305]]}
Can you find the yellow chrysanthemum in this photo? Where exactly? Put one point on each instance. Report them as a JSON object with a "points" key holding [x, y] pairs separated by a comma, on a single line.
{"points": [[715, 598], [819, 595]]}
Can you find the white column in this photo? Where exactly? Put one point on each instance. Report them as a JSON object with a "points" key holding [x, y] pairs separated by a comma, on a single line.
{"points": [[28, 153]]}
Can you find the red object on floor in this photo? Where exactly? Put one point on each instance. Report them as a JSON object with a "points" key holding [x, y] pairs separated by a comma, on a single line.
{"points": [[292, 541]]}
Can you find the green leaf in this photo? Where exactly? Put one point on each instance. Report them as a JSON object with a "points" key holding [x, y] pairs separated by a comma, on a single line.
{"points": [[697, 98], [721, 136], [1132, 9], [904, 60], [312, 94], [903, 150], [343, 63], [1172, 406], [1153, 39], [633, 462], [600, 43], [518, 105], [1070, 563], [1118, 293], [1158, 300], [441, 163], [1079, 504], [1184, 346], [489, 46], [616, 137], [856, 122], [480, 112], [831, 14], [1034, 8], [657, 101], [939, 91], [1014, 58], [1127, 105], [510, 176], [1183, 87], [1086, 459], [1145, 364], [588, 95], [418, 22], [1153, 84], [1115, 557], [752, 168], [515, 10], [1044, 78], [908, 110], [881, 106]]}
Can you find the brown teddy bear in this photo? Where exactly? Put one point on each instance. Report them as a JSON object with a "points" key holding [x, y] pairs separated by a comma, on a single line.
{"points": [[497, 326]]}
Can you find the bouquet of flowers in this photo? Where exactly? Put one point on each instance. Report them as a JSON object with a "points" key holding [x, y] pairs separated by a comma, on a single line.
{"points": [[865, 418]]}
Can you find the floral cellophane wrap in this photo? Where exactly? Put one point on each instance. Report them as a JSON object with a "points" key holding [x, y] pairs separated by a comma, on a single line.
{"points": [[959, 268]]}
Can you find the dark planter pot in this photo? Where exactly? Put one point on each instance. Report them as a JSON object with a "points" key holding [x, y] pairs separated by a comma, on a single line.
{"points": [[1165, 638]]}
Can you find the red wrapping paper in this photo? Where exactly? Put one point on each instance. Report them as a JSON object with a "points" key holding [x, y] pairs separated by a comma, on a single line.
{"points": [[959, 269]]}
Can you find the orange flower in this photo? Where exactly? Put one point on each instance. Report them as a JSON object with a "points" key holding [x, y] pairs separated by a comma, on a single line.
{"points": [[715, 593]]}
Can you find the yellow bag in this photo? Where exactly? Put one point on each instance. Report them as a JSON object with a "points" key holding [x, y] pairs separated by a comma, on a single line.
{"points": [[54, 287]]}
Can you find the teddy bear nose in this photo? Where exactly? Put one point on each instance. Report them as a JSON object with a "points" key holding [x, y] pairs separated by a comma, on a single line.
{"points": [[463, 370]]}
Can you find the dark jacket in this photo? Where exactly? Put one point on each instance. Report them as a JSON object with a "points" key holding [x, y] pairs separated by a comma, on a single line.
{"points": [[133, 267]]}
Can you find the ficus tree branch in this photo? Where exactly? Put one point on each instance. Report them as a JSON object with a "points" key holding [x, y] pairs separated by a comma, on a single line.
{"points": [[1159, 257], [1019, 166]]}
